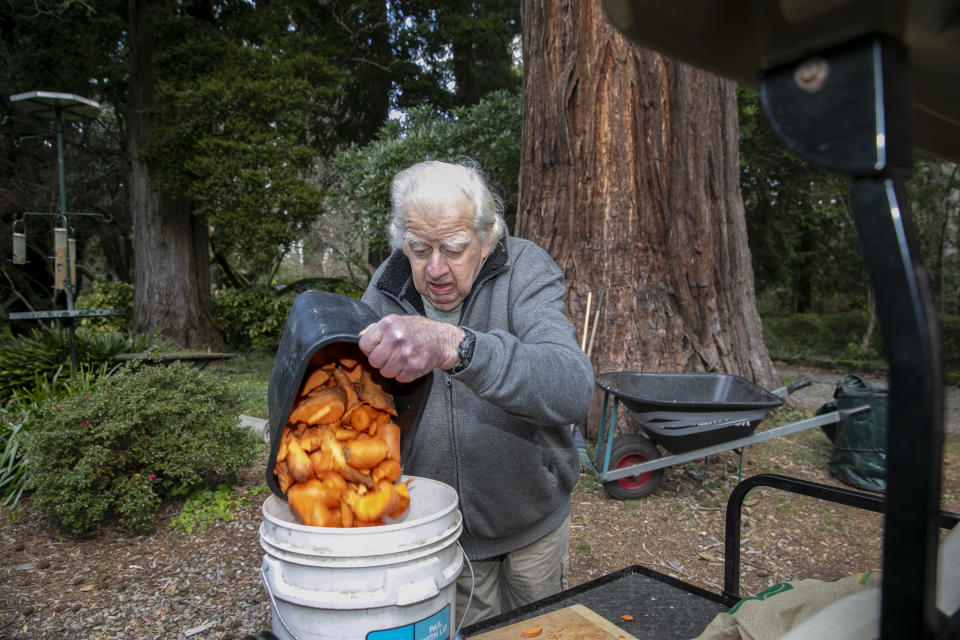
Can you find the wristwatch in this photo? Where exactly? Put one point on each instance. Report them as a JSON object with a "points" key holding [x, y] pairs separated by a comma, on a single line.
{"points": [[464, 351]]}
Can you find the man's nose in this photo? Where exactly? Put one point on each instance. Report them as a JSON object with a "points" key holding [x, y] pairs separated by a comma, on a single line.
{"points": [[437, 264]]}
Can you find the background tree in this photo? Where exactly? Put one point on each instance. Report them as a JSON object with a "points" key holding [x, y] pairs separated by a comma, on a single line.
{"points": [[28, 157], [226, 114], [803, 240], [629, 179], [453, 53], [935, 201]]}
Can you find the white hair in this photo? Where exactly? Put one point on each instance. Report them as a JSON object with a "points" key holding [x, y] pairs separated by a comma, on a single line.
{"points": [[428, 183]]}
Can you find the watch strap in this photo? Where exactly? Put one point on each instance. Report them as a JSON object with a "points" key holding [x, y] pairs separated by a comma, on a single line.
{"points": [[465, 351]]}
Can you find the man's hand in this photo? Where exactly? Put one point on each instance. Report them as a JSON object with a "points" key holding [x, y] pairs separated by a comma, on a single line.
{"points": [[407, 347]]}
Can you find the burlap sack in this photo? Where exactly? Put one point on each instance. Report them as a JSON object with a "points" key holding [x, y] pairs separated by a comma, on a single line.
{"points": [[773, 612]]}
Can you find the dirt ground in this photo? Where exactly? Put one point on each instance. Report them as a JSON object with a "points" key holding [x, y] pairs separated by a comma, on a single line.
{"points": [[205, 584]]}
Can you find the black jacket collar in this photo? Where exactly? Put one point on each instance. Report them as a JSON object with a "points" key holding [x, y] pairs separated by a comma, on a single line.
{"points": [[397, 277]]}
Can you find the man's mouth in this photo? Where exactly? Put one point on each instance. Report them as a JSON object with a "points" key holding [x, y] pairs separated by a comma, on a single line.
{"points": [[440, 289]]}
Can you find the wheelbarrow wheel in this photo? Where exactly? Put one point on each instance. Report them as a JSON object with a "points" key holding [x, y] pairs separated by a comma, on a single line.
{"points": [[628, 450]]}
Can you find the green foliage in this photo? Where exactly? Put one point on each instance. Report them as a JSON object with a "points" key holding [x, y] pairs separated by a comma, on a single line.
{"points": [[253, 318], [803, 242], [936, 213], [454, 53], [17, 416], [833, 340], [205, 506], [950, 333], [107, 294], [43, 354], [14, 469], [488, 133], [140, 436], [823, 340]]}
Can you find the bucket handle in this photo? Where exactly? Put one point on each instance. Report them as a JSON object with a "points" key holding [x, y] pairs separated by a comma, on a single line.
{"points": [[473, 580], [276, 609]]}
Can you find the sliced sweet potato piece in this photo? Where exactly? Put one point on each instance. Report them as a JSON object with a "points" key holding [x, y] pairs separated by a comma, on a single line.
{"points": [[323, 407]]}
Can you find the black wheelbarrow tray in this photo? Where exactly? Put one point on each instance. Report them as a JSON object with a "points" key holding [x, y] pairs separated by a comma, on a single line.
{"points": [[691, 416]]}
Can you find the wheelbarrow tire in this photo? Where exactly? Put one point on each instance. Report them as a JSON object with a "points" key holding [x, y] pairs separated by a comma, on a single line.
{"points": [[626, 451]]}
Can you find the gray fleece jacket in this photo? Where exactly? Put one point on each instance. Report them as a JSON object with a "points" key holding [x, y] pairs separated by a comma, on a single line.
{"points": [[498, 431]]}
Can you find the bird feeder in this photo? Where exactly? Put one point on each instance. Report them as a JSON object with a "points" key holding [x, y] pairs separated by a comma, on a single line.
{"points": [[60, 258], [72, 258], [19, 242]]}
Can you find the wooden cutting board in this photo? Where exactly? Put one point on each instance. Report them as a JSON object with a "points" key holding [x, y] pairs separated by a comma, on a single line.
{"points": [[575, 622]]}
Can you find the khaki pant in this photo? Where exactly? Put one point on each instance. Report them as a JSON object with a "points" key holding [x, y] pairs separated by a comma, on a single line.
{"points": [[512, 580]]}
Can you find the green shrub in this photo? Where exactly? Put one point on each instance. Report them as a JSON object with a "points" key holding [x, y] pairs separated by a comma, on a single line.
{"points": [[207, 505], [17, 416], [950, 327], [144, 434], [107, 294], [14, 470], [253, 318], [41, 354], [823, 340], [834, 340]]}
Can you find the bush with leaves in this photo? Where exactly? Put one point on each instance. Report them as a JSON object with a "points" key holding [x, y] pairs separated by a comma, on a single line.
{"points": [[17, 416], [144, 434], [42, 354], [107, 294], [253, 318]]}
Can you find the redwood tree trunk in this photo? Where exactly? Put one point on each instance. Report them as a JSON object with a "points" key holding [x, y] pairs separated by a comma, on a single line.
{"points": [[629, 178], [170, 246]]}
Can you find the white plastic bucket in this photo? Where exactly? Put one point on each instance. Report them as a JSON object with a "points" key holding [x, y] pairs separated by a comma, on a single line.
{"points": [[396, 581]]}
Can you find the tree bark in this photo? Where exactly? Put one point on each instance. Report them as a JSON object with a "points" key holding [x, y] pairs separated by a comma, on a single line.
{"points": [[629, 178], [170, 245]]}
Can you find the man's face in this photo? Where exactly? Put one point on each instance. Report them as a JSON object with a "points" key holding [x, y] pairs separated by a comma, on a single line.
{"points": [[444, 251]]}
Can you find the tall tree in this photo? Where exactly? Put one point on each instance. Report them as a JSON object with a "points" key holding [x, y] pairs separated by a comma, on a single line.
{"points": [[629, 178], [452, 53], [170, 244]]}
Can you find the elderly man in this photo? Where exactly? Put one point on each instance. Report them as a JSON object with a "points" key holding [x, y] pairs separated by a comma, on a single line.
{"points": [[485, 312]]}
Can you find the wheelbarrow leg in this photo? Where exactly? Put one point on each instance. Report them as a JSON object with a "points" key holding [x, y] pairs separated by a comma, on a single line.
{"points": [[605, 432]]}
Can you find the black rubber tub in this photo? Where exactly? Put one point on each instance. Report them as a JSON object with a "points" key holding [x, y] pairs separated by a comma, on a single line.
{"points": [[318, 320]]}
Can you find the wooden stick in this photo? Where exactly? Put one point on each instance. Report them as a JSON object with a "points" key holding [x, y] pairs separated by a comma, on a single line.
{"points": [[586, 323], [596, 321]]}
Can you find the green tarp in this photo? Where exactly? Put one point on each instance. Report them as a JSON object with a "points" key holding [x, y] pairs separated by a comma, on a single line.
{"points": [[859, 442]]}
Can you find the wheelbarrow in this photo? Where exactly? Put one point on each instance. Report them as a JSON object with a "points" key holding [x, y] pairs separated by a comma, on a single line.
{"points": [[689, 415]]}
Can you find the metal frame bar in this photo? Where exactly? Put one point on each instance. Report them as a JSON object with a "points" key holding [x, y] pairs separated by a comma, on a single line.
{"points": [[856, 120], [784, 430], [847, 497]]}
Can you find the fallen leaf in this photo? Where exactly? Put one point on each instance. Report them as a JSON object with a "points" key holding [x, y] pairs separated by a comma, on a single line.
{"points": [[86, 587], [626, 617], [532, 632], [706, 556]]}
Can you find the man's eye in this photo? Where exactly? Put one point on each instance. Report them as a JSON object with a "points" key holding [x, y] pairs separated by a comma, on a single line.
{"points": [[422, 252], [453, 252]]}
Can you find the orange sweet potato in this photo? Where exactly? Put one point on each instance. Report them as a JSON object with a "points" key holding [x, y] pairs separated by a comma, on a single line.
{"points": [[365, 454], [321, 407]]}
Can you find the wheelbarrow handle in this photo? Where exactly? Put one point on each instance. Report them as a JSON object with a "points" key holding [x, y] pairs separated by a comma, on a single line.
{"points": [[783, 392]]}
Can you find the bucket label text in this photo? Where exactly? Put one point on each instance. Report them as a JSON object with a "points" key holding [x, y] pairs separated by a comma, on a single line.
{"points": [[435, 627]]}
